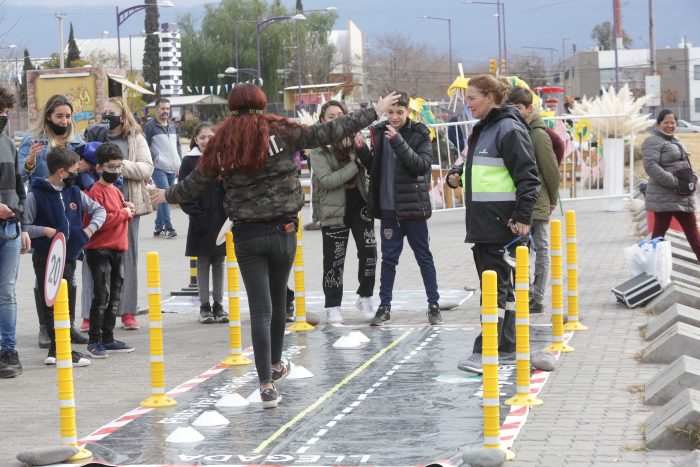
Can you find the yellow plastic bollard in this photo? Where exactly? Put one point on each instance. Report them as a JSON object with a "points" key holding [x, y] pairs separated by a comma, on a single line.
{"points": [[300, 323], [522, 331], [572, 274], [234, 307], [489, 362], [193, 272], [64, 367], [158, 397], [555, 252]]}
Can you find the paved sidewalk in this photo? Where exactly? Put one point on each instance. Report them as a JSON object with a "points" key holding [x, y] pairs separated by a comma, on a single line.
{"points": [[589, 416]]}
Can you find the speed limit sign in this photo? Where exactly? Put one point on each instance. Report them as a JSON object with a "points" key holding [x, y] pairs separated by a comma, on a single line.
{"points": [[54, 268]]}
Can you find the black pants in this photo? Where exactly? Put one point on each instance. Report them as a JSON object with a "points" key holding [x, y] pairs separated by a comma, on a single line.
{"points": [[107, 270], [39, 263], [265, 255], [489, 256], [335, 243]]}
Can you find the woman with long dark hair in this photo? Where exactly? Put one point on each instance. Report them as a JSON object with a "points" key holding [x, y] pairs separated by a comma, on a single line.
{"points": [[340, 202], [254, 152]]}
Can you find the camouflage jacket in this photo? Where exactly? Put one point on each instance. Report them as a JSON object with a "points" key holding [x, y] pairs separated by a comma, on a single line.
{"points": [[272, 192]]}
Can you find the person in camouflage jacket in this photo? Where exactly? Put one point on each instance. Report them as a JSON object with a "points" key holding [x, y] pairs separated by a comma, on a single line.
{"points": [[253, 153]]}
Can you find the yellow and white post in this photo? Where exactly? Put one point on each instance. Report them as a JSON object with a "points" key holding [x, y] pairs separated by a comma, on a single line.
{"points": [[300, 323], [64, 367], [234, 307], [522, 331], [158, 397], [489, 363], [557, 290], [573, 323]]}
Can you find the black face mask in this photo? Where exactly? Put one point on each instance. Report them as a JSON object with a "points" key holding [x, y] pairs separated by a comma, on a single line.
{"points": [[113, 120], [57, 129], [3, 123], [110, 177], [70, 180]]}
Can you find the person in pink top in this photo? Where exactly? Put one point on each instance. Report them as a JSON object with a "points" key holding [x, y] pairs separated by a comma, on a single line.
{"points": [[105, 251]]}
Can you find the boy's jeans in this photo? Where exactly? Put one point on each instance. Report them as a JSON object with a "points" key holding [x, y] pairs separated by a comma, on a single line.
{"points": [[392, 233], [107, 273], [9, 265], [163, 180]]}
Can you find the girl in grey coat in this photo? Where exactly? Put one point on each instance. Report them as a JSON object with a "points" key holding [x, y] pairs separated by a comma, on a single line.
{"points": [[663, 155], [340, 205]]}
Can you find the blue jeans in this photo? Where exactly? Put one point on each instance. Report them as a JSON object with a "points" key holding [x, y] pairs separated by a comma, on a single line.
{"points": [[392, 233], [9, 266], [163, 180]]}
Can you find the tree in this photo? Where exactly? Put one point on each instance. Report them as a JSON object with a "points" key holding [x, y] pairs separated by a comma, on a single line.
{"points": [[151, 54], [73, 51], [23, 85], [603, 34], [52, 62], [101, 57], [299, 8], [529, 68], [397, 62]]}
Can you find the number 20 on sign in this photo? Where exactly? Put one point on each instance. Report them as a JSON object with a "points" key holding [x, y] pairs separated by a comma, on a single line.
{"points": [[55, 262]]}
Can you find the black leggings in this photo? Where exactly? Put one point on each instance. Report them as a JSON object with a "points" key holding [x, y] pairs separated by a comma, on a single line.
{"points": [[265, 255]]}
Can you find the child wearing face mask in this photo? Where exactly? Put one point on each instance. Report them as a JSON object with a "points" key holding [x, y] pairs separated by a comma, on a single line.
{"points": [[55, 204], [104, 254]]}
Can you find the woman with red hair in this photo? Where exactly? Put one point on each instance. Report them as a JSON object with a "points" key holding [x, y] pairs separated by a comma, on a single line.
{"points": [[253, 152]]}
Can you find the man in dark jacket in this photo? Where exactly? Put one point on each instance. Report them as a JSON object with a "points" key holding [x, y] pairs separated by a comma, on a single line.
{"points": [[400, 165]]}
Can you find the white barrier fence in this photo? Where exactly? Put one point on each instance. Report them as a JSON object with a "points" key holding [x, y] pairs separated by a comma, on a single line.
{"points": [[593, 165]]}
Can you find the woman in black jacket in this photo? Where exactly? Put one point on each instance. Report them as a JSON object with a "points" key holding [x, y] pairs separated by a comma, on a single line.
{"points": [[254, 153], [206, 217]]}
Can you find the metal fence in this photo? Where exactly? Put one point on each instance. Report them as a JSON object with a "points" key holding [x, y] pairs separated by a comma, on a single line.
{"points": [[584, 166]]}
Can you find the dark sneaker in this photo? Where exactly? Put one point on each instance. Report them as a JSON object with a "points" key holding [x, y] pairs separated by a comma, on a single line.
{"points": [[205, 314], [44, 341], [382, 316], [158, 233], [170, 233], [283, 372], [506, 358], [96, 351], [117, 347], [79, 359], [472, 364], [270, 397], [290, 311], [7, 371], [76, 337], [434, 316], [10, 357], [536, 307], [220, 315], [50, 357]]}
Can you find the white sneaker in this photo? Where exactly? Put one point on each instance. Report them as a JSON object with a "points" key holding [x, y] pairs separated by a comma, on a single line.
{"points": [[333, 315], [364, 305]]}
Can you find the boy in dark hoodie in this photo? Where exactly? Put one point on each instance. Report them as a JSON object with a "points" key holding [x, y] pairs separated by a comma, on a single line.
{"points": [[55, 204]]}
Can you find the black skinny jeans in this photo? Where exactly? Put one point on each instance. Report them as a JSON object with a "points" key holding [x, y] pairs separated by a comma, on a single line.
{"points": [[335, 244], [107, 270], [39, 263], [265, 255], [489, 256]]}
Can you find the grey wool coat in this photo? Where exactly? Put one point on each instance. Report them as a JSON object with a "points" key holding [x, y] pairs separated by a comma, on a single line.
{"points": [[663, 154]]}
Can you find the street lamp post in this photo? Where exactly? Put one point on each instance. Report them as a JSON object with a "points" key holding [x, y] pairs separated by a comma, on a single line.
{"points": [[449, 35], [258, 28], [126, 13], [235, 41], [501, 17]]}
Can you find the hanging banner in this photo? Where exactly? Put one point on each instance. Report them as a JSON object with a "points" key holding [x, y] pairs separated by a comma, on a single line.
{"points": [[189, 89], [218, 89]]}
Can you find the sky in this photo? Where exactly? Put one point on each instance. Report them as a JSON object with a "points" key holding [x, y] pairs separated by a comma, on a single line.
{"points": [[553, 24]]}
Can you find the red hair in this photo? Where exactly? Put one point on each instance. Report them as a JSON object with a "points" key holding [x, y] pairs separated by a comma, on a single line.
{"points": [[241, 141]]}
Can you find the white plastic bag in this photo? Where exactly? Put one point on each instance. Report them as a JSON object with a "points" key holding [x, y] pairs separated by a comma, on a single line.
{"points": [[650, 256]]}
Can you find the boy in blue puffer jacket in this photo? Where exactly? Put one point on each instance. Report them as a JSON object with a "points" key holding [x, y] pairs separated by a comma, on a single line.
{"points": [[55, 204]]}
